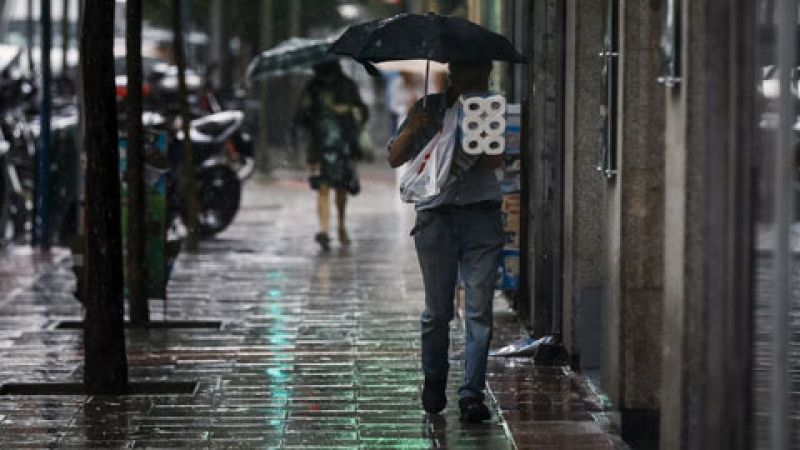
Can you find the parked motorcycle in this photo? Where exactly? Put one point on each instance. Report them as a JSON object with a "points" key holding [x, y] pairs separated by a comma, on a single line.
{"points": [[222, 156], [222, 152], [229, 124], [20, 172], [19, 149]]}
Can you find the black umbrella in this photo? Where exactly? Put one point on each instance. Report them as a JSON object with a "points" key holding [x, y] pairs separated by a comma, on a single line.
{"points": [[424, 36]]}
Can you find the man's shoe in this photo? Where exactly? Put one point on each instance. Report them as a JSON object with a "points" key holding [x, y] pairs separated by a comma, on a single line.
{"points": [[434, 397], [473, 410]]}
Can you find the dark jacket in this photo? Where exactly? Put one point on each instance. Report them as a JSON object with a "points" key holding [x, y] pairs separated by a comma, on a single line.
{"points": [[329, 130]]}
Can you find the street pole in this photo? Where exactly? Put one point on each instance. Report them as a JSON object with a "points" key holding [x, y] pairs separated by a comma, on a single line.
{"points": [[41, 221], [29, 31], [134, 176], [188, 184], [3, 25], [106, 366], [65, 37], [216, 41], [262, 150]]}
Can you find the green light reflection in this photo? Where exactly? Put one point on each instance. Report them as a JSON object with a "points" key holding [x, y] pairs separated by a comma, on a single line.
{"points": [[278, 376]]}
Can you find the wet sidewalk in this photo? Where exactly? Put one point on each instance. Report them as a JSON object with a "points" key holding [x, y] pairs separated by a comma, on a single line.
{"points": [[314, 350]]}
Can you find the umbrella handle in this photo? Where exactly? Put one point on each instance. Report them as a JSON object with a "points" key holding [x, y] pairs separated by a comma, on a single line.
{"points": [[427, 75]]}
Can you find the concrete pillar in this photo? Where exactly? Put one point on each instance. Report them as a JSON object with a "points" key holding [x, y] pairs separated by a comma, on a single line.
{"points": [[543, 164], [707, 303], [635, 202], [677, 194], [583, 272]]}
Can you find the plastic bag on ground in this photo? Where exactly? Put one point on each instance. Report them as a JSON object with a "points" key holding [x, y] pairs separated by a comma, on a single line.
{"points": [[544, 349]]}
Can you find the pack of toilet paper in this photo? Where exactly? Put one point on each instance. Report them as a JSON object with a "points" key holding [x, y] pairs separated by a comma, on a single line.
{"points": [[482, 124]]}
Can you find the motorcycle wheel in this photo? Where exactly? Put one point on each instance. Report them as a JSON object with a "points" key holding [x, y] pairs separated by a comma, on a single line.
{"points": [[219, 192]]}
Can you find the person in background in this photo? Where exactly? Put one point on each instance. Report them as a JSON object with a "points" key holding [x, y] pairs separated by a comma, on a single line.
{"points": [[460, 230], [333, 113]]}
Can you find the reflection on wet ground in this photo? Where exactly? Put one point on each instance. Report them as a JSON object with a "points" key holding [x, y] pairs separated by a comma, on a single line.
{"points": [[316, 350]]}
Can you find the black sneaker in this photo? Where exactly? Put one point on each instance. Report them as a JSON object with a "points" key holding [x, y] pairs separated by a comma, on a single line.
{"points": [[323, 240], [434, 398], [473, 410]]}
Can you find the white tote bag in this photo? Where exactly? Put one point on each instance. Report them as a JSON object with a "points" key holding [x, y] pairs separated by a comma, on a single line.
{"points": [[426, 174]]}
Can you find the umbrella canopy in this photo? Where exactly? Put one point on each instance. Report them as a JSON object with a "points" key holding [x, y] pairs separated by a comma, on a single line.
{"points": [[424, 36], [293, 55]]}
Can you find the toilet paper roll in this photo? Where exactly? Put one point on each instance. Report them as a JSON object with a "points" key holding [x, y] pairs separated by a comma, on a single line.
{"points": [[473, 144], [495, 105], [494, 126], [474, 106], [472, 125], [494, 145]]}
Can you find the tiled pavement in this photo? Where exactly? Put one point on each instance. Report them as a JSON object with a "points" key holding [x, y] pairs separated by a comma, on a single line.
{"points": [[316, 350]]}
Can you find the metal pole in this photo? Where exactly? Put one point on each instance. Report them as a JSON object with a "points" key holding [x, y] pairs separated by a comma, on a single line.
{"points": [[3, 23], [427, 75], [42, 228], [263, 158], [216, 41], [784, 163], [29, 31], [186, 20], [79, 182], [137, 280], [65, 35]]}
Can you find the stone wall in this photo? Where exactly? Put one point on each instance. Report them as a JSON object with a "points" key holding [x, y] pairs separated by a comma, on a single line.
{"points": [[583, 185], [636, 218]]}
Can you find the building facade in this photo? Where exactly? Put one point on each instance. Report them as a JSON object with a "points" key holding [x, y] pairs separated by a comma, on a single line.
{"points": [[658, 192]]}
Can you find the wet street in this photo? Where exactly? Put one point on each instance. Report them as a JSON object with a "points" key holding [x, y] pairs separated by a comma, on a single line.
{"points": [[313, 350]]}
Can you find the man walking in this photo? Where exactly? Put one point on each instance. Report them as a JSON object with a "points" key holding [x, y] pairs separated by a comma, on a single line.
{"points": [[459, 230]]}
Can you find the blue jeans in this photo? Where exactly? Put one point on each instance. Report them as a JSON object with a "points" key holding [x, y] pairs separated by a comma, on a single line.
{"points": [[448, 240]]}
